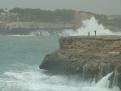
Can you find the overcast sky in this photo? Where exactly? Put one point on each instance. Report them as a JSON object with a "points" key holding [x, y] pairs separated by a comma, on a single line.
{"points": [[96, 6]]}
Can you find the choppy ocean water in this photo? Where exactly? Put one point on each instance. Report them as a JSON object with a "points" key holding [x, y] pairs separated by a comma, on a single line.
{"points": [[20, 57]]}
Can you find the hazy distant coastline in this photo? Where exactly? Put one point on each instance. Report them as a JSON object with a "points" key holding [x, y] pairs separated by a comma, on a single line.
{"points": [[27, 20]]}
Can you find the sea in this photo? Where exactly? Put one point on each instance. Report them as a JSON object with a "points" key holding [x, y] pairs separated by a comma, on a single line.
{"points": [[21, 55]]}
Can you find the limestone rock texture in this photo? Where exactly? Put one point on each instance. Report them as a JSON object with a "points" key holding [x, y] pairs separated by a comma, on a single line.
{"points": [[90, 57]]}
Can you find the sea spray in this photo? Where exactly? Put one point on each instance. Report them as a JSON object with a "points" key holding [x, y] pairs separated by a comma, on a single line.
{"points": [[19, 67], [104, 82], [102, 85], [33, 79], [88, 26]]}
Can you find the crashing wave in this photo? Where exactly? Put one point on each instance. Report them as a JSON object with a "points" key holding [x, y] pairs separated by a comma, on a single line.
{"points": [[88, 26]]}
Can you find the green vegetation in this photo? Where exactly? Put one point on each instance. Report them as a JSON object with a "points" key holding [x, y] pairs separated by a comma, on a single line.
{"points": [[40, 15], [60, 16]]}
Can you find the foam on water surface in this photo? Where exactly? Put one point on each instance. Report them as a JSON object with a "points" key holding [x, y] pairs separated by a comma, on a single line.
{"points": [[33, 79]]}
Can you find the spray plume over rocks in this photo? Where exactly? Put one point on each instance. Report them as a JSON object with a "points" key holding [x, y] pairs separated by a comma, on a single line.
{"points": [[89, 25], [89, 57]]}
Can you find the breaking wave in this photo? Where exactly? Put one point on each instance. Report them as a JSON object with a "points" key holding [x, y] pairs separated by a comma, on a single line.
{"points": [[40, 33], [31, 34], [88, 26], [34, 79]]}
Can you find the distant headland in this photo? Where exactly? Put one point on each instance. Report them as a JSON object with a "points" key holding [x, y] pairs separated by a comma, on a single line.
{"points": [[25, 20]]}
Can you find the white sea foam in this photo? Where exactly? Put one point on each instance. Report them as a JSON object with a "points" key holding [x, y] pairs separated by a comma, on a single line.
{"points": [[104, 82], [18, 35], [102, 85], [35, 80], [90, 25], [40, 33], [31, 34]]}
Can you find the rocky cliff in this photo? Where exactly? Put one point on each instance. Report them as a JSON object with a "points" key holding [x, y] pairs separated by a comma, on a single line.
{"points": [[90, 57], [37, 19]]}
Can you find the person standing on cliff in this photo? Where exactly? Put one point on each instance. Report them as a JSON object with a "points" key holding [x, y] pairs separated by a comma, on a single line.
{"points": [[95, 33], [88, 34]]}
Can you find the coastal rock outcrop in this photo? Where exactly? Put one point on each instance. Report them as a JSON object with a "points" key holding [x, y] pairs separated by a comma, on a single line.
{"points": [[90, 57]]}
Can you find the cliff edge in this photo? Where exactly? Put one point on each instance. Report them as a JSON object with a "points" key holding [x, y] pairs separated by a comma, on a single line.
{"points": [[90, 57]]}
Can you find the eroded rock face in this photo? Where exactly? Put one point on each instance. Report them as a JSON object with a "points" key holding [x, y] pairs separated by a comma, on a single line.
{"points": [[81, 62], [91, 58]]}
